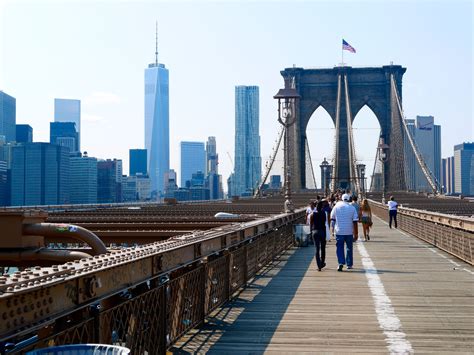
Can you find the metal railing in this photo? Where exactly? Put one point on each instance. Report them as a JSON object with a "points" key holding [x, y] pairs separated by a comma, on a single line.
{"points": [[454, 235], [143, 298]]}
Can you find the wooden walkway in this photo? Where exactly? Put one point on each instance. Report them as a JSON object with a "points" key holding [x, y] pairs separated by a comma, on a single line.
{"points": [[412, 298]]}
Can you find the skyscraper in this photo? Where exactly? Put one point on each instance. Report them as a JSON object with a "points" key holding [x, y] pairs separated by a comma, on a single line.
{"points": [[39, 174], [464, 169], [64, 134], [83, 179], [448, 175], [193, 159], [7, 117], [427, 137], [248, 166], [24, 133], [157, 135], [109, 181], [214, 180], [138, 161], [68, 110]]}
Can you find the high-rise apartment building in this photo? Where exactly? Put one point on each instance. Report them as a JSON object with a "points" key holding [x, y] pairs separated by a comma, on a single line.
{"points": [[157, 130], [214, 180], [248, 162], [69, 110], [24, 133], [83, 179], [7, 117], [138, 161], [464, 169], [39, 174], [447, 180], [193, 159], [64, 134], [427, 137]]}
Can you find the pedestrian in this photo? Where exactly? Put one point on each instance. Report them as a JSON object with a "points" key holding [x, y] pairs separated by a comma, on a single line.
{"points": [[318, 225], [392, 211], [345, 221], [327, 211], [309, 212], [353, 202], [365, 217]]}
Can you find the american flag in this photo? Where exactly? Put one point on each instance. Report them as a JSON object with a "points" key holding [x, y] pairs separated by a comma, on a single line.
{"points": [[347, 47]]}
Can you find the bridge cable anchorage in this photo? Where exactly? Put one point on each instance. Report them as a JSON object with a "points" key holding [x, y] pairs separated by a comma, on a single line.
{"points": [[354, 173], [336, 133], [269, 163], [309, 162], [434, 184]]}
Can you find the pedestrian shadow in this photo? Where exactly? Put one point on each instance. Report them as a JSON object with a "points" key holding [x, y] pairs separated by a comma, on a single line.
{"points": [[252, 322]]}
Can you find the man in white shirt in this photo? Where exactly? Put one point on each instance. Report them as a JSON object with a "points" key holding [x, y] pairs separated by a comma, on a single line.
{"points": [[392, 211], [345, 220]]}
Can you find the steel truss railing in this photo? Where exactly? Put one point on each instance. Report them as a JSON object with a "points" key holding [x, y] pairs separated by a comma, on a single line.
{"points": [[143, 298]]}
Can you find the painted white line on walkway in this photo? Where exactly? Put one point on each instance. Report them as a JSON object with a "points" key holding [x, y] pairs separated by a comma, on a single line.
{"points": [[469, 271], [435, 251], [388, 320]]}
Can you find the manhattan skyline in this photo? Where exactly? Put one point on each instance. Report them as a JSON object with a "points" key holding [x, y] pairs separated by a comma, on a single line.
{"points": [[47, 52]]}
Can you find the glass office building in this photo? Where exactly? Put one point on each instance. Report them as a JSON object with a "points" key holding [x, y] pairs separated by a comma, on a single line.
{"points": [[64, 134], [193, 159], [83, 179], [39, 174], [69, 110], [138, 161], [248, 162], [464, 169], [7, 117], [24, 133], [157, 131]]}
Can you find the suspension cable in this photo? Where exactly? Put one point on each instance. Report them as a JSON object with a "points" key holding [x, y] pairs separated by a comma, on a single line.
{"points": [[424, 168], [310, 163], [354, 173], [336, 140], [269, 163]]}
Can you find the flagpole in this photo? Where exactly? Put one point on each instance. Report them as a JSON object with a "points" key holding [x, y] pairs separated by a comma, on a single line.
{"points": [[342, 53]]}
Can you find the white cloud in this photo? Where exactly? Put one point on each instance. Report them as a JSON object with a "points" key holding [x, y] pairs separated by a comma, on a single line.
{"points": [[101, 98]]}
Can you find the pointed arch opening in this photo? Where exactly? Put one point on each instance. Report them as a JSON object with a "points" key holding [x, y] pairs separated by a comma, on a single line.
{"points": [[320, 133], [366, 131]]}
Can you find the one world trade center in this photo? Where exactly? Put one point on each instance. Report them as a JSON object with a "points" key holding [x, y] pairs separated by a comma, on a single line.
{"points": [[157, 128]]}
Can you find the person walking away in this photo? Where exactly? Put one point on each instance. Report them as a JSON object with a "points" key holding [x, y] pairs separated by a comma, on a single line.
{"points": [[392, 211], [357, 207], [345, 221], [319, 234], [327, 211], [366, 218]]}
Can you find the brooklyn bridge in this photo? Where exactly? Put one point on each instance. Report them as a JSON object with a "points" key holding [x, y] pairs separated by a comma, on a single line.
{"points": [[227, 276]]}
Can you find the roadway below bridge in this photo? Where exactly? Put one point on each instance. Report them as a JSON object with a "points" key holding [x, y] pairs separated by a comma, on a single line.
{"points": [[402, 296]]}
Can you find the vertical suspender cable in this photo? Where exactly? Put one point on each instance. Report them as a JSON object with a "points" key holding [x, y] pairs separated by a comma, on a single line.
{"points": [[336, 140], [354, 173]]}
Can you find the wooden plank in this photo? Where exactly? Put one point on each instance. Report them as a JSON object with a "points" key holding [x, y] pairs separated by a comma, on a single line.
{"points": [[293, 308]]}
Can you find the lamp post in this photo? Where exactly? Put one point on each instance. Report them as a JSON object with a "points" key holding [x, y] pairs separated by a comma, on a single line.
{"points": [[287, 116], [383, 156]]}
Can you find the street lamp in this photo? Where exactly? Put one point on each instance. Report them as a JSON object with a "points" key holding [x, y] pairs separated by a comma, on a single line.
{"points": [[287, 116], [383, 156]]}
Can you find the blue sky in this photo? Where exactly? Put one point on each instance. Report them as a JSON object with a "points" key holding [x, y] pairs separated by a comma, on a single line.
{"points": [[96, 51]]}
